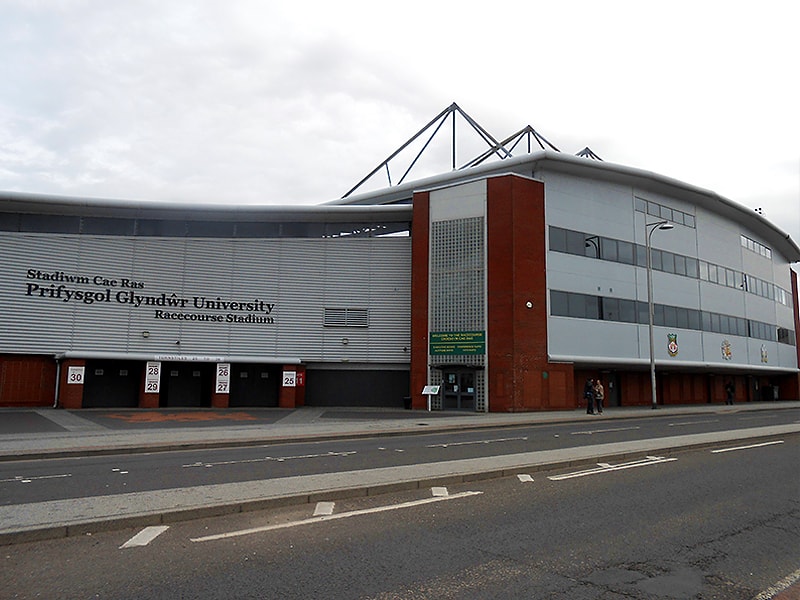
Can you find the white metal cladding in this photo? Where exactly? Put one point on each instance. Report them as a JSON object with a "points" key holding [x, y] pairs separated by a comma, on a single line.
{"points": [[279, 287]]}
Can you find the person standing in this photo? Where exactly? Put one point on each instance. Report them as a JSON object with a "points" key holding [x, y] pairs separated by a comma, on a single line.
{"points": [[599, 395], [588, 394], [730, 391]]}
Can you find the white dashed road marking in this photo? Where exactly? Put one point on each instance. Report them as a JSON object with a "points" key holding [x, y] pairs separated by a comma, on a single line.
{"points": [[439, 492], [524, 478], [145, 536], [21, 479], [324, 508], [345, 515], [593, 431]]}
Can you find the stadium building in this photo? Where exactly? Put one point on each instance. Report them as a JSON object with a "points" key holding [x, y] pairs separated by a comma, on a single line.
{"points": [[506, 283]]}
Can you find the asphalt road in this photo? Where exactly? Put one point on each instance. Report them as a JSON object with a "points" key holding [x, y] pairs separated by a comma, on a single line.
{"points": [[704, 524], [53, 479]]}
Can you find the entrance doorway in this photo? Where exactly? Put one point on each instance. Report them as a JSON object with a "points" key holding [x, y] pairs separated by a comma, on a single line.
{"points": [[254, 385], [187, 385], [458, 389], [112, 384]]}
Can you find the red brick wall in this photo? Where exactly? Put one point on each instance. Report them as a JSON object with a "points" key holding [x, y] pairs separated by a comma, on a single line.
{"points": [[70, 395], [420, 250], [520, 378], [790, 387]]}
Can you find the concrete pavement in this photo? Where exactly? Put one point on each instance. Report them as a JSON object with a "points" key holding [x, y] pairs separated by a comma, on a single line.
{"points": [[58, 433]]}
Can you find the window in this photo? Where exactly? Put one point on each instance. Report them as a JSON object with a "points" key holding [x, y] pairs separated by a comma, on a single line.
{"points": [[559, 304], [703, 270], [667, 262], [655, 259], [680, 265], [660, 211], [558, 239], [576, 243], [610, 309], [642, 310], [625, 252], [49, 224], [756, 247], [692, 268], [107, 226], [608, 249], [627, 311]]}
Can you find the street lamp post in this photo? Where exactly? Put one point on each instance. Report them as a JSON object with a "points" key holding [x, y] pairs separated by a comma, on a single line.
{"points": [[649, 229]]}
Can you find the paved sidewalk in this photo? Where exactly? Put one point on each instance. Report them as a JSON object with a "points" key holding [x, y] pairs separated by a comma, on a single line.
{"points": [[19, 523]]}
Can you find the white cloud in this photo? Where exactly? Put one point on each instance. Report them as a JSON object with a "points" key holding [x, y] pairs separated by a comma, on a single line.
{"points": [[248, 101]]}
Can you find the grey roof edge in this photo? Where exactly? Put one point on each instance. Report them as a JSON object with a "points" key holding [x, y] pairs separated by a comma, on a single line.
{"points": [[176, 357], [25, 202], [529, 164]]}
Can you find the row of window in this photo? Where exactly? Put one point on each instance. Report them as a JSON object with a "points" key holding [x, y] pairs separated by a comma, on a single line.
{"points": [[34, 223], [659, 211], [756, 247], [603, 248], [587, 306]]}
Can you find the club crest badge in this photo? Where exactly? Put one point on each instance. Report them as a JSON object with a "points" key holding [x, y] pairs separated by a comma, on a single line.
{"points": [[727, 354], [672, 344], [764, 355]]}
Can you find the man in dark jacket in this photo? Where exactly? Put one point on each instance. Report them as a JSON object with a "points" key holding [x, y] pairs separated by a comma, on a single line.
{"points": [[588, 394]]}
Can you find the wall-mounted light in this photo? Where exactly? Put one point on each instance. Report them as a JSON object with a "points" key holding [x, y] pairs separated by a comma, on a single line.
{"points": [[345, 341], [145, 334], [177, 342], [529, 304]]}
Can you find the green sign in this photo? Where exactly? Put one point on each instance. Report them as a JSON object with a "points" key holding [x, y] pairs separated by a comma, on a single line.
{"points": [[458, 342]]}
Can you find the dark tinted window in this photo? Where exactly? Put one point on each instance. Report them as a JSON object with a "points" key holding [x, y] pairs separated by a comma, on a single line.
{"points": [[107, 226], [217, 229], [49, 224], [161, 228]]}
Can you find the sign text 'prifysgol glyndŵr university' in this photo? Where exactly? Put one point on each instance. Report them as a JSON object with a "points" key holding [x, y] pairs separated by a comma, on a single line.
{"points": [[99, 290]]}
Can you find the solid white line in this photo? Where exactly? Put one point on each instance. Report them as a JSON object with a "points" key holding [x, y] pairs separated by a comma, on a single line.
{"points": [[593, 431], [746, 447], [145, 536], [354, 513], [782, 585], [650, 460], [268, 459], [511, 439], [324, 508], [524, 478]]}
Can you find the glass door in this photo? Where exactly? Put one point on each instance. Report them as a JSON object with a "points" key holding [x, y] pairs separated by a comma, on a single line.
{"points": [[459, 389]]}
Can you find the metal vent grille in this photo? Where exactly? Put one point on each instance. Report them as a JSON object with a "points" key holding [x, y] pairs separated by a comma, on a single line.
{"points": [[346, 317]]}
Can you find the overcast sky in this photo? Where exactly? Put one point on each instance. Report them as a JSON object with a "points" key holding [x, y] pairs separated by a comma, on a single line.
{"points": [[246, 101]]}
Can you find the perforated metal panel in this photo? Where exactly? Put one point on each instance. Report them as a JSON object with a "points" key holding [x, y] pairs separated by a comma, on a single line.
{"points": [[458, 276]]}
